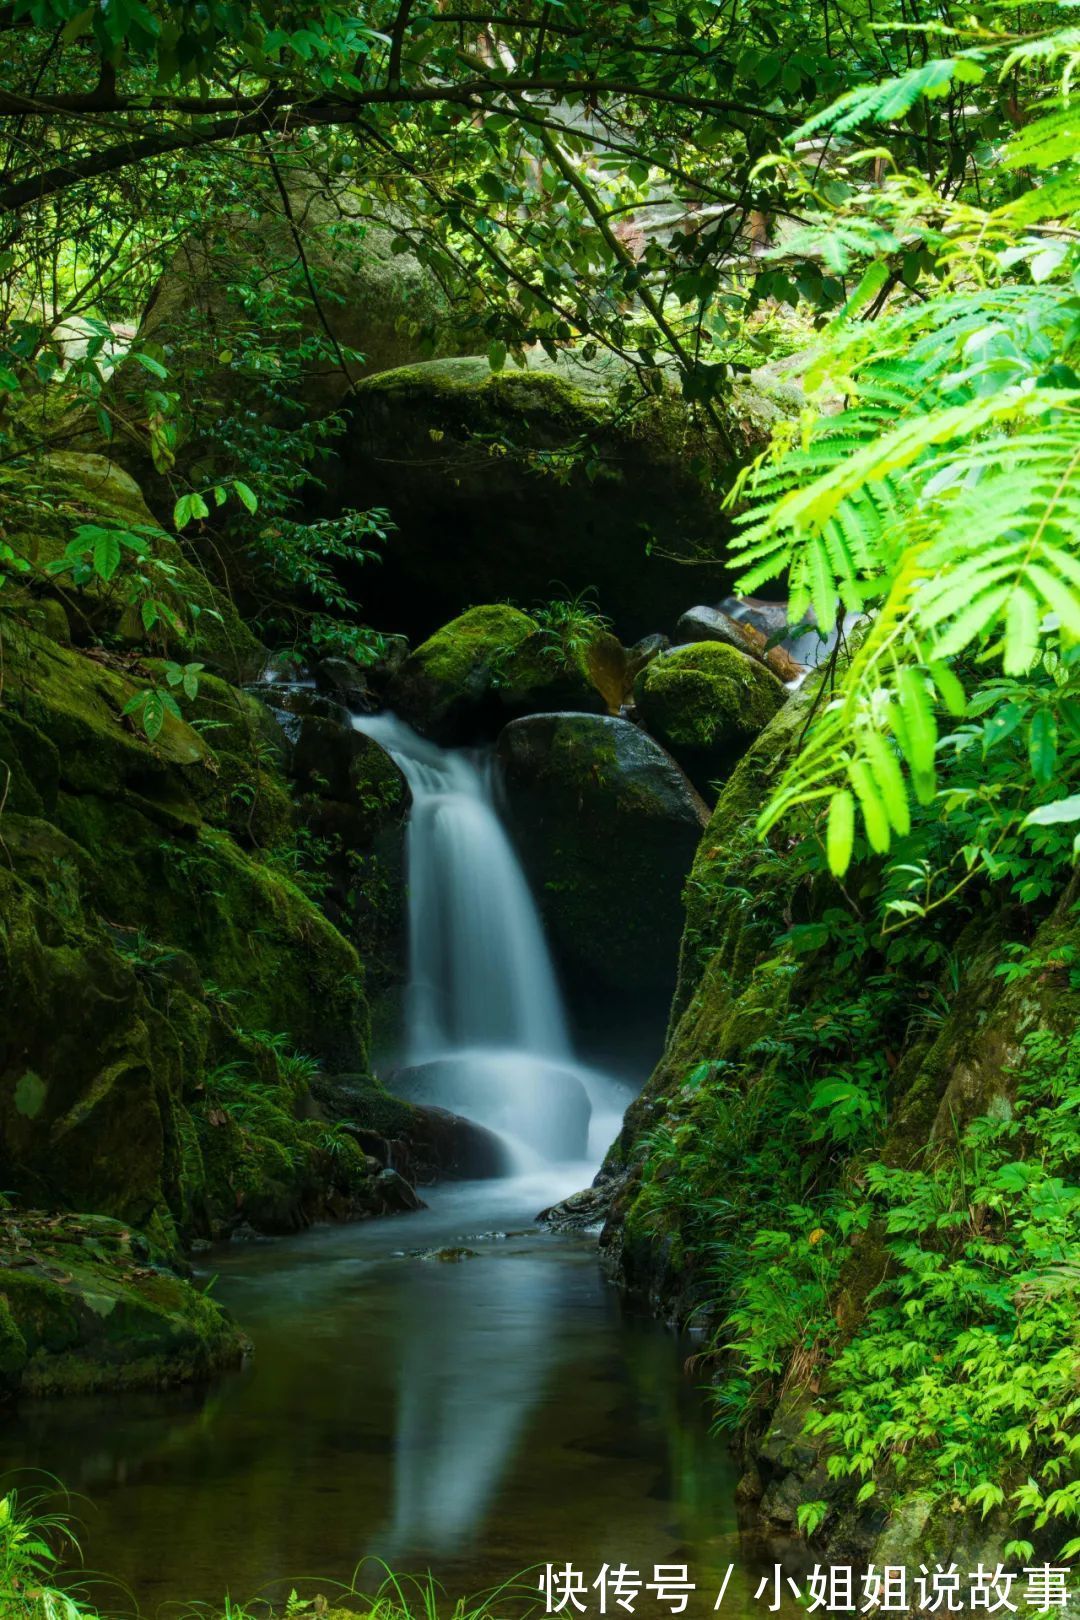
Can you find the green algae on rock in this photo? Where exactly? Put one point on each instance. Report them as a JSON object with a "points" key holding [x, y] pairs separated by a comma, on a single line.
{"points": [[88, 1304], [160, 967], [485, 667], [706, 702]]}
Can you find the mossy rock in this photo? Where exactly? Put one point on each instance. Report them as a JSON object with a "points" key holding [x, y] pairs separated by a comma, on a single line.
{"points": [[486, 667], [607, 825], [491, 501], [71, 488], [107, 1028], [727, 996], [87, 1305], [379, 302], [706, 703], [88, 1073]]}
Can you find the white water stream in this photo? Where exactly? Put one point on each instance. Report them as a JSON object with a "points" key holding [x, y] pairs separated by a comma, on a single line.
{"points": [[485, 1031]]}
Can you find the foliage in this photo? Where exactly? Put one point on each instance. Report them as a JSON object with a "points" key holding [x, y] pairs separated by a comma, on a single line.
{"points": [[511, 157], [30, 1562], [959, 421], [29, 1537], [568, 626], [964, 1365]]}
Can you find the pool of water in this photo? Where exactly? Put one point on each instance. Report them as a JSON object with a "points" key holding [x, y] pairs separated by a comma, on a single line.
{"points": [[470, 1418]]}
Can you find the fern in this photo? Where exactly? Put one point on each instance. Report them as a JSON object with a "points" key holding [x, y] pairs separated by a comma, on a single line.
{"points": [[891, 99], [943, 500]]}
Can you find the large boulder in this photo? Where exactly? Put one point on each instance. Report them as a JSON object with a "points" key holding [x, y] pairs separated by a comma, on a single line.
{"points": [[486, 667], [73, 489], [379, 303], [539, 482], [161, 974], [607, 825], [706, 703]]}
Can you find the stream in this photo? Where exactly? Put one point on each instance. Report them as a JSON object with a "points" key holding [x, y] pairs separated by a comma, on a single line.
{"points": [[472, 1418], [471, 1415]]}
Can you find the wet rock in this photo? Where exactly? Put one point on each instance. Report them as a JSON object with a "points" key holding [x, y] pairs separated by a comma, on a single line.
{"points": [[443, 1144], [706, 703], [446, 1256], [375, 1148], [607, 825], [395, 1195], [346, 681], [352, 1098], [770, 618], [713, 624], [395, 653], [643, 652], [535, 1100], [358, 787], [244, 1232], [86, 1304], [582, 1212]]}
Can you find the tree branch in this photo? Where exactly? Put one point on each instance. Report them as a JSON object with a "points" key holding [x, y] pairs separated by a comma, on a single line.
{"points": [[286, 204]]}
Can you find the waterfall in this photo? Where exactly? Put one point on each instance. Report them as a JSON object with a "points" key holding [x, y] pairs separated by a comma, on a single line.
{"points": [[485, 1030]]}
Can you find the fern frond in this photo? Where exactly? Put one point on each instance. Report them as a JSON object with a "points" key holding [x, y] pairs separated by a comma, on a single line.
{"points": [[890, 99]]}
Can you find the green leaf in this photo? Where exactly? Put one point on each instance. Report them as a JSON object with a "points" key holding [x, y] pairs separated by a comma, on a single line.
{"points": [[496, 355], [888, 779], [919, 723], [1043, 745], [1022, 618], [874, 278], [1048, 815], [952, 693], [148, 363], [106, 553], [871, 805], [153, 714], [840, 836], [247, 494]]}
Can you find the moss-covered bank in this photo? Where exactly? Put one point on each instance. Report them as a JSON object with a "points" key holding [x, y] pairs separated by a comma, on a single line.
{"points": [[854, 1169], [173, 989]]}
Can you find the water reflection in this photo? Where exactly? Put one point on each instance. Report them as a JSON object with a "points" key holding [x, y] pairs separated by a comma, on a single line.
{"points": [[472, 1417], [480, 1350]]}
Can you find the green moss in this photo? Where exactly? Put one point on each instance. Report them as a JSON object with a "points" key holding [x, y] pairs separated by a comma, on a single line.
{"points": [[113, 1024], [727, 996], [705, 703], [13, 1351], [487, 666], [89, 1306], [71, 488]]}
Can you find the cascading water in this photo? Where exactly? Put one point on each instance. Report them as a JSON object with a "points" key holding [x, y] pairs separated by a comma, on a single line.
{"points": [[485, 1032]]}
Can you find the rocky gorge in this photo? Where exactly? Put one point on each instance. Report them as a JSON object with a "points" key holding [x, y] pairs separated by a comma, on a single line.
{"points": [[412, 913]]}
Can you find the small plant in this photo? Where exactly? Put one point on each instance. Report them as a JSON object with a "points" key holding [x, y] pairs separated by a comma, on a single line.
{"points": [[30, 1562], [569, 625]]}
